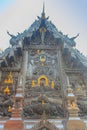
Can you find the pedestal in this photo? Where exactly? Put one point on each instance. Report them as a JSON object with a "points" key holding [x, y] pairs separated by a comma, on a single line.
{"points": [[75, 124], [14, 124]]}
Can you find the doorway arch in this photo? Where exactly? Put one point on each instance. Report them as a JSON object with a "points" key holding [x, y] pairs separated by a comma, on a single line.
{"points": [[45, 78]]}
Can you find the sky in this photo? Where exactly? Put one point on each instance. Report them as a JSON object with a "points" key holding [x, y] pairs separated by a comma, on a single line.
{"points": [[69, 16]]}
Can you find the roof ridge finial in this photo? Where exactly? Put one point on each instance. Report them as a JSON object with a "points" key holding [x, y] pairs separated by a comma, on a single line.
{"points": [[43, 12]]}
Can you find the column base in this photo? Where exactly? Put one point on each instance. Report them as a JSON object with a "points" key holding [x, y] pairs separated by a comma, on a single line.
{"points": [[14, 124], [75, 124]]}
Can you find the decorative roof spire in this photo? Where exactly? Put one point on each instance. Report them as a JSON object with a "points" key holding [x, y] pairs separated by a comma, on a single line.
{"points": [[43, 13]]}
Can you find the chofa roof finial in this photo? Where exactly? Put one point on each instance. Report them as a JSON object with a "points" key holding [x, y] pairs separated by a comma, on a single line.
{"points": [[43, 12]]}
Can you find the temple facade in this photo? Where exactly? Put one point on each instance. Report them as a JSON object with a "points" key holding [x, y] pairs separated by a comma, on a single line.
{"points": [[43, 80]]}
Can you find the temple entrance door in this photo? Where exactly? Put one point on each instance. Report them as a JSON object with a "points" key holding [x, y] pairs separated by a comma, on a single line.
{"points": [[42, 81]]}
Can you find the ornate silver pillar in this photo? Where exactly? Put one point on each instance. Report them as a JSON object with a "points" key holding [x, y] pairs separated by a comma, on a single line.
{"points": [[63, 76], [63, 79], [24, 67]]}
